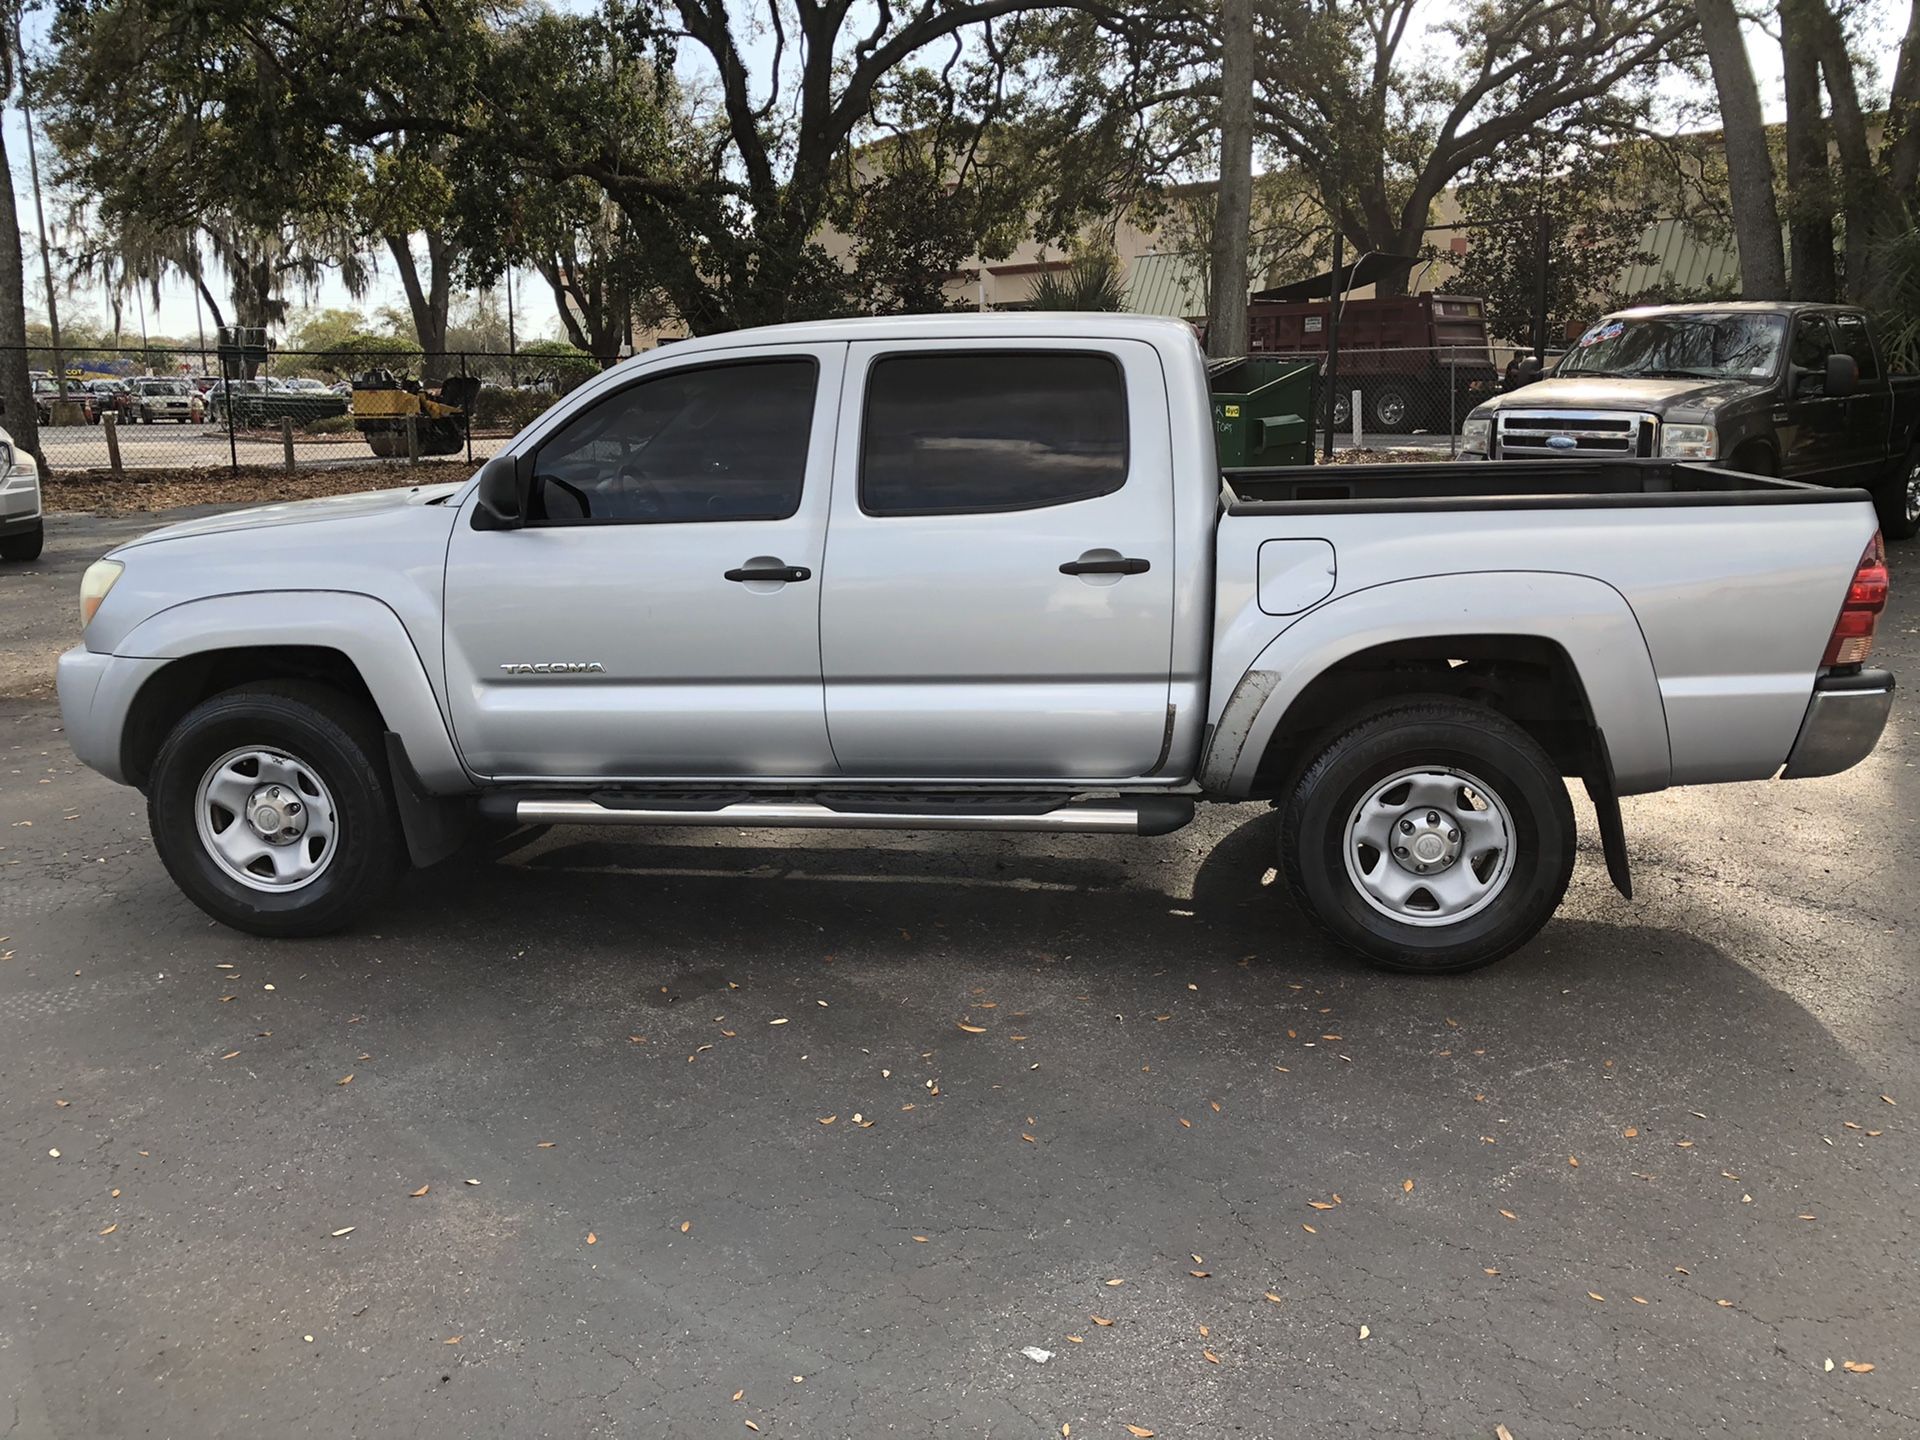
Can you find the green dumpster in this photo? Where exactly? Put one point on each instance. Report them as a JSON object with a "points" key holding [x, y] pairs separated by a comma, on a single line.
{"points": [[1262, 409]]}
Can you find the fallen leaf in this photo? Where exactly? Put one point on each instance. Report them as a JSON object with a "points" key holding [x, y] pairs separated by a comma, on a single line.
{"points": [[1500, 1432], [1639, 1299], [1407, 1186], [1681, 1270], [1028, 1138], [1574, 1161], [1210, 1357], [1140, 1432], [1274, 1298], [1806, 1217], [919, 1239], [345, 1230], [1488, 1270], [781, 1021], [592, 1239], [1320, 1204], [1077, 1339], [229, 1055], [1100, 1320], [1684, 1144], [1200, 1274], [1216, 1106], [1857, 1367], [737, 1396], [685, 1226], [1889, 1099], [416, 1194], [344, 1080], [113, 1194], [452, 1340], [1509, 1215], [752, 1426], [1828, 1367], [111, 1228], [1364, 1332], [1595, 1295], [545, 1145], [828, 1119], [1116, 1282], [1188, 1124], [1205, 1332], [973, 1029], [1309, 1229], [1724, 1304], [473, 1182], [1630, 1132]]}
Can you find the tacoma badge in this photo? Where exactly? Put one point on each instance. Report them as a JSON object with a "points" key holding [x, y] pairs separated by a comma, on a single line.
{"points": [[556, 667]]}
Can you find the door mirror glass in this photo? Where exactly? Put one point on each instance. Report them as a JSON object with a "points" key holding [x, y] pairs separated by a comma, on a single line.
{"points": [[1843, 375], [501, 504]]}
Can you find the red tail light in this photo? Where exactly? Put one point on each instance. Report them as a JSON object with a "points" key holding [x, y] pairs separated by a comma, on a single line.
{"points": [[1852, 638]]}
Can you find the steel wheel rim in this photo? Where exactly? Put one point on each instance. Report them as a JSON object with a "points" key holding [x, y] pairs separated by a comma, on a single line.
{"points": [[1392, 410], [1451, 822], [1913, 491], [266, 819]]}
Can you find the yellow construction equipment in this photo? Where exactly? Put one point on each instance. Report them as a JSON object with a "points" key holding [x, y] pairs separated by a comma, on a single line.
{"points": [[385, 403]]}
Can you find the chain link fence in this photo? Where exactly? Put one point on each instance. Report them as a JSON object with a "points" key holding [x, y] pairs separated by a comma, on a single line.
{"points": [[141, 410], [1404, 399]]}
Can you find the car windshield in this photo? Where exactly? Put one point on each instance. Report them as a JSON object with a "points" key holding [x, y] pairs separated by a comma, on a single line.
{"points": [[1705, 346], [165, 387]]}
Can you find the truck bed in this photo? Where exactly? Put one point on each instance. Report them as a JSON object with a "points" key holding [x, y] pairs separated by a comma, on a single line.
{"points": [[1510, 485]]}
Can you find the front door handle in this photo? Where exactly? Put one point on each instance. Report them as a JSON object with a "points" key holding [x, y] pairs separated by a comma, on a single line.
{"points": [[1123, 565], [775, 572]]}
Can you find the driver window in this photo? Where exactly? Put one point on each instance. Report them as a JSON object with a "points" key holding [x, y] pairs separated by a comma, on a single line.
{"points": [[722, 442], [1812, 344]]}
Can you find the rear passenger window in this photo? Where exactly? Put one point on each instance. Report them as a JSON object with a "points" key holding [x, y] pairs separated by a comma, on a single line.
{"points": [[980, 431], [1854, 340]]}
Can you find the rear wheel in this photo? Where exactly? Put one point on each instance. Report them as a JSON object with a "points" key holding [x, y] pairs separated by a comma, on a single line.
{"points": [[1435, 836], [271, 807], [1898, 500], [1392, 407]]}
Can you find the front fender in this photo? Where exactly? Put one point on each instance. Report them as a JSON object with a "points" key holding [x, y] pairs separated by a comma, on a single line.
{"points": [[1587, 618], [360, 627]]}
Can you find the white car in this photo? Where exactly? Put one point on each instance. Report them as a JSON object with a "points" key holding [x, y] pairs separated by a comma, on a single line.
{"points": [[22, 530]]}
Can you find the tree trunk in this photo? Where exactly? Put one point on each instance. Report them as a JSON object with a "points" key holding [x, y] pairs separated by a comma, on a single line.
{"points": [[16, 387], [1756, 221], [428, 303], [1233, 202], [1903, 116], [1809, 191], [1864, 199]]}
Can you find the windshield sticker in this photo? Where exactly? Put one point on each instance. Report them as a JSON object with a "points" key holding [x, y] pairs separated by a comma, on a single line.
{"points": [[1602, 332]]}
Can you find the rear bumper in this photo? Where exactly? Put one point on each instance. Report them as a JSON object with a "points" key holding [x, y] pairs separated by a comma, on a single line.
{"points": [[1842, 725]]}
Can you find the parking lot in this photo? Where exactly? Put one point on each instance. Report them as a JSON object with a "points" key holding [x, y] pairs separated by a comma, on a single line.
{"points": [[708, 1133], [177, 447]]}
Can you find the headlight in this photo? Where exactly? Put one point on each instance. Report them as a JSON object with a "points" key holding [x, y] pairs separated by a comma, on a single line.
{"points": [[1689, 442], [1476, 434], [95, 584]]}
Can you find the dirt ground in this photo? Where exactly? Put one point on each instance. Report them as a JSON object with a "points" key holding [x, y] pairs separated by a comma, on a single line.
{"points": [[101, 493]]}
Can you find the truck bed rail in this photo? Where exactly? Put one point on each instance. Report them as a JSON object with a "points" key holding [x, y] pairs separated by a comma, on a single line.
{"points": [[1509, 485]]}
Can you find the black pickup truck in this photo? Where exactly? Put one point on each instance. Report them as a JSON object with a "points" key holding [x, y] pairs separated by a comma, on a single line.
{"points": [[1799, 391]]}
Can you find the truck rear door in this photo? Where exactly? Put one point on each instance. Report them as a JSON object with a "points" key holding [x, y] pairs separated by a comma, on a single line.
{"points": [[997, 597]]}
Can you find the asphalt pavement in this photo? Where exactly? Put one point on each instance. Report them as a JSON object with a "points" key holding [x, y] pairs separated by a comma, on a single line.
{"points": [[702, 1133]]}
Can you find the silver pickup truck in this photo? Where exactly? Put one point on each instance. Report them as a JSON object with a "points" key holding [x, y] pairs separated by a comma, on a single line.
{"points": [[972, 573]]}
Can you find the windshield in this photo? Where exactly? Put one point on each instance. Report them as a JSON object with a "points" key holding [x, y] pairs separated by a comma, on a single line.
{"points": [[1732, 346], [164, 387]]}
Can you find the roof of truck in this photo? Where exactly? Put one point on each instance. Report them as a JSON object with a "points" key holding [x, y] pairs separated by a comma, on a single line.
{"points": [[992, 325], [1723, 307]]}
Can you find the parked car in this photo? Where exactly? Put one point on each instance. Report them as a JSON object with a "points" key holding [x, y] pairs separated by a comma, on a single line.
{"points": [[108, 397], [22, 528], [972, 573], [166, 400], [1796, 390]]}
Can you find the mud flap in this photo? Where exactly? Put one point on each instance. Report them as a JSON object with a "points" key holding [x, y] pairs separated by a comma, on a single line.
{"points": [[435, 825], [1613, 831]]}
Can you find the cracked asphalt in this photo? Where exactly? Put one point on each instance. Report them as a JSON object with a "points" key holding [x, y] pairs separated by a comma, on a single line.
{"points": [[1074, 1062]]}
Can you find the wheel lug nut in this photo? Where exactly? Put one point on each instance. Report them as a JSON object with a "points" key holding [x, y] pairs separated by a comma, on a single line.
{"points": [[1433, 817], [1407, 825], [1421, 868], [1453, 835], [1401, 851]]}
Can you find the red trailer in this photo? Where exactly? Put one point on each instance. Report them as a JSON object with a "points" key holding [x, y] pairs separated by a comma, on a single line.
{"points": [[1420, 362]]}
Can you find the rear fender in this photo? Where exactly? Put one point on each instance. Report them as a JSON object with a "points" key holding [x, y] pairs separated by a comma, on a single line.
{"points": [[1589, 620]]}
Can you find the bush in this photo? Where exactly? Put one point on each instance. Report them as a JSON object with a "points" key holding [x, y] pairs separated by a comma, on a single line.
{"points": [[496, 409], [326, 425]]}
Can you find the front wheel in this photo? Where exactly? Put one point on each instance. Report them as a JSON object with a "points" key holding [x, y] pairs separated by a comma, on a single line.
{"points": [[272, 809], [1898, 500], [1435, 836]]}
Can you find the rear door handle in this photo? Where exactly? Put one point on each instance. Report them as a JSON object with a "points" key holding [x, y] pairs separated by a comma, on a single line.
{"points": [[1123, 566], [783, 573]]}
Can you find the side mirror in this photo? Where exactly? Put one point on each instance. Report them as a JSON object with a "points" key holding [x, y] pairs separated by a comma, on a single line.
{"points": [[1843, 375], [501, 504]]}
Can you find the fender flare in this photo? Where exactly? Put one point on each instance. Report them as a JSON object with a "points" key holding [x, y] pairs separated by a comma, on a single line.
{"points": [[1587, 618], [360, 627]]}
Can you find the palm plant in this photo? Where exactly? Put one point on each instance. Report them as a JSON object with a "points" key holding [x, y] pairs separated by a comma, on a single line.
{"points": [[1092, 282]]}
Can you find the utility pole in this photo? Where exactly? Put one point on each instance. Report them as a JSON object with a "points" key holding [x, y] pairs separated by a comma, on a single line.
{"points": [[513, 348], [1543, 229], [1336, 291]]}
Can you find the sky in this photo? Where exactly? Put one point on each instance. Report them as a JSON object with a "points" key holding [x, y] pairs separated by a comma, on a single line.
{"points": [[534, 312]]}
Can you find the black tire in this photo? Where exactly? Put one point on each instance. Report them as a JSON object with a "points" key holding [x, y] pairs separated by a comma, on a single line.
{"points": [[24, 546], [1898, 500], [1391, 407], [342, 744], [1343, 411], [1449, 736]]}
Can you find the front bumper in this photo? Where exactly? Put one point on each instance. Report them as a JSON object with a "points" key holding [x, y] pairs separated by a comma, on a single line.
{"points": [[1842, 725], [96, 696]]}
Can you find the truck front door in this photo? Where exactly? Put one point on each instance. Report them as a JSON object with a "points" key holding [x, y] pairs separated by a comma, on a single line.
{"points": [[658, 615], [999, 587], [1814, 438]]}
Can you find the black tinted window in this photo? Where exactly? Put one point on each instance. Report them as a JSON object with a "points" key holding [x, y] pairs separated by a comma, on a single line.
{"points": [[991, 431], [1852, 339], [726, 442]]}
